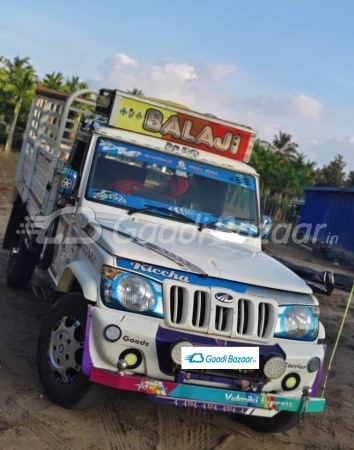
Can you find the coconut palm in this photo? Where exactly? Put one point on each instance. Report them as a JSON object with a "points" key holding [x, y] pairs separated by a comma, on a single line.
{"points": [[285, 146], [21, 81], [74, 84], [53, 80]]}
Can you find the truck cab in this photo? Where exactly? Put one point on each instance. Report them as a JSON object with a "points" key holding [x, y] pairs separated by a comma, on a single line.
{"points": [[146, 217]]}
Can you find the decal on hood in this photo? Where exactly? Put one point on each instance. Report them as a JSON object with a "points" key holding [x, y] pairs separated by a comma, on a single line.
{"points": [[181, 262], [159, 274]]}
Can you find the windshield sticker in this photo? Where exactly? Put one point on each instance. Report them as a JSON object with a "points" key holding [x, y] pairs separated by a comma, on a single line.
{"points": [[113, 148], [99, 194], [185, 151], [199, 217]]}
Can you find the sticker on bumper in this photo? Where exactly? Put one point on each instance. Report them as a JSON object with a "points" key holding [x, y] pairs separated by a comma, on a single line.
{"points": [[210, 395]]}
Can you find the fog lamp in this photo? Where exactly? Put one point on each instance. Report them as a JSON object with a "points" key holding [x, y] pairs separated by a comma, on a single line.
{"points": [[274, 367], [176, 351], [132, 357], [291, 382]]}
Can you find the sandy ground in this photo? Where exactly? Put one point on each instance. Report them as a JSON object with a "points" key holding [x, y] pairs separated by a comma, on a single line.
{"points": [[129, 421]]}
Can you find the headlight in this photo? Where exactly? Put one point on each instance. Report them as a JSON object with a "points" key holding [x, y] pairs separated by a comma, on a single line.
{"points": [[124, 290], [298, 322], [135, 293]]}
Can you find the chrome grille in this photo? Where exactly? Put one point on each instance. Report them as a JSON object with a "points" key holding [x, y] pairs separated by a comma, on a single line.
{"points": [[176, 304], [195, 308], [199, 309]]}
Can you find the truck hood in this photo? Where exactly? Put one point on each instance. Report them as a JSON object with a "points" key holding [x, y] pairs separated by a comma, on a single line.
{"points": [[207, 252]]}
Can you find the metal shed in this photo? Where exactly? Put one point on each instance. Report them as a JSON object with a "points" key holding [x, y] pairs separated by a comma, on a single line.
{"points": [[333, 206]]}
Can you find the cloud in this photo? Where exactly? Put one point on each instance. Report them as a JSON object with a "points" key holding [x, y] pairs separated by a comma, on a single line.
{"points": [[307, 107], [218, 71], [177, 81], [302, 106], [174, 72], [121, 59]]}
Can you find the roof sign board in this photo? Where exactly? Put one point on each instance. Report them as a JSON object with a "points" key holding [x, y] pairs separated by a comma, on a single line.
{"points": [[183, 127]]}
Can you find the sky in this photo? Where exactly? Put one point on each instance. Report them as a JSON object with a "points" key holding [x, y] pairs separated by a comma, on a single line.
{"points": [[274, 65]]}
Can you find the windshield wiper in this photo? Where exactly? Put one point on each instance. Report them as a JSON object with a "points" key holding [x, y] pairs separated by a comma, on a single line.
{"points": [[207, 224], [163, 209]]}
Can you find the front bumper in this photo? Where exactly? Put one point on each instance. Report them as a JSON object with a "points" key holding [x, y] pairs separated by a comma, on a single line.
{"points": [[209, 398], [222, 393]]}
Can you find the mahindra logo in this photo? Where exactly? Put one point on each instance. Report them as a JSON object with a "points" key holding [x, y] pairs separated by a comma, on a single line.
{"points": [[225, 298]]}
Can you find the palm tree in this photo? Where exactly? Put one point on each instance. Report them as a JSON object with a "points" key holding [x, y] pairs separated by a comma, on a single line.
{"points": [[136, 91], [21, 81], [53, 80], [285, 146], [74, 84]]}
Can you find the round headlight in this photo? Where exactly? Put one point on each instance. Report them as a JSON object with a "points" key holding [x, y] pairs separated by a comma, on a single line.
{"points": [[176, 351], [274, 367], [135, 293], [297, 321]]}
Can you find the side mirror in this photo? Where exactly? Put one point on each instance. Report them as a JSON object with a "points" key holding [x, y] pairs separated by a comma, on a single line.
{"points": [[266, 226], [328, 281], [67, 182]]}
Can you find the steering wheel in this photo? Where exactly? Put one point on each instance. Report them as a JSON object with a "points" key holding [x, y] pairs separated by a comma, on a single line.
{"points": [[126, 186]]}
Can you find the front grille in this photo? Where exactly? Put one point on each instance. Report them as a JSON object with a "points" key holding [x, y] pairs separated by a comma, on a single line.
{"points": [[176, 297], [195, 308], [199, 309]]}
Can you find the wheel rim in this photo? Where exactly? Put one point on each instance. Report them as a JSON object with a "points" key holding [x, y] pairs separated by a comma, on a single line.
{"points": [[65, 350]]}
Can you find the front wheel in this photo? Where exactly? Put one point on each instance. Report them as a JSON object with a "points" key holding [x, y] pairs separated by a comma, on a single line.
{"points": [[281, 422], [60, 354]]}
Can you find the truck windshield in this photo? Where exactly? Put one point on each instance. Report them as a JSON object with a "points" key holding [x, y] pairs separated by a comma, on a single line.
{"points": [[136, 178]]}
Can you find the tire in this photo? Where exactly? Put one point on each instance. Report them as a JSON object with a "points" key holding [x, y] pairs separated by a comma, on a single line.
{"points": [[75, 390], [281, 422], [17, 218], [21, 265]]}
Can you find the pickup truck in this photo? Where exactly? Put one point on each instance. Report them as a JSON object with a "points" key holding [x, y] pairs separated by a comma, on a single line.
{"points": [[146, 217]]}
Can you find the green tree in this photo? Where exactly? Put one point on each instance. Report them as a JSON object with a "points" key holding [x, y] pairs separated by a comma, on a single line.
{"points": [[54, 80], [279, 177], [332, 174], [136, 91], [21, 81], [74, 84], [285, 146], [350, 179]]}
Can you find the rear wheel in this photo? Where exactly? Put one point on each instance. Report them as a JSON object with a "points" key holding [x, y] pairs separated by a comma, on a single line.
{"points": [[281, 422], [60, 354], [21, 265]]}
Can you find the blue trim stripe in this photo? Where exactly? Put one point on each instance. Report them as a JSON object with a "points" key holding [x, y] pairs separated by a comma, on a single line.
{"points": [[159, 274]]}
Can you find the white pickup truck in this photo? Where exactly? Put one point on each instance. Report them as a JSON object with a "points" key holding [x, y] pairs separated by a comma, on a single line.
{"points": [[146, 217]]}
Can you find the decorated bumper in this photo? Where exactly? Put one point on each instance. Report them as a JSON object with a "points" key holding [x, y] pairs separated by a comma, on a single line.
{"points": [[113, 336], [209, 398]]}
